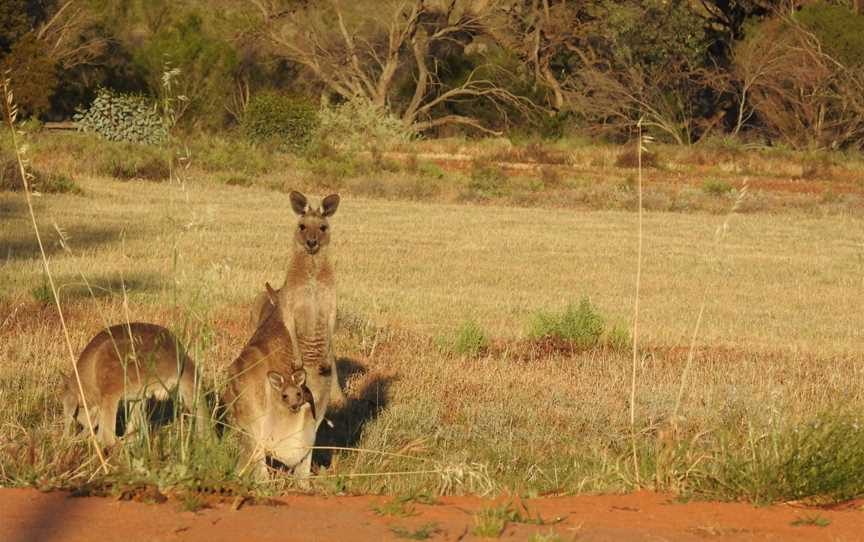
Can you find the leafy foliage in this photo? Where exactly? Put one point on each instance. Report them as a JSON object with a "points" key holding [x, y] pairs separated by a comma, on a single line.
{"points": [[205, 63], [32, 72], [840, 32], [582, 325], [289, 121], [123, 117], [358, 125]]}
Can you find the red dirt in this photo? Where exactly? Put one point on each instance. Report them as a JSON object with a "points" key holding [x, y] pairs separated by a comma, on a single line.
{"points": [[28, 515]]}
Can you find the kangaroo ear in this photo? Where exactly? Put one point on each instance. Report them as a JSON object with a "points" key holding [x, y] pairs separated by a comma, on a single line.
{"points": [[271, 293], [298, 377], [329, 205], [276, 380], [299, 203]]}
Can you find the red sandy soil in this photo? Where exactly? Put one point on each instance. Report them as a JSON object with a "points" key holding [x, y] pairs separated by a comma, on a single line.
{"points": [[28, 515]]}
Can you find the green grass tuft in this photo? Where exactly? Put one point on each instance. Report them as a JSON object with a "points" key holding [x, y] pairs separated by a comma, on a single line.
{"points": [[582, 325], [423, 532]]}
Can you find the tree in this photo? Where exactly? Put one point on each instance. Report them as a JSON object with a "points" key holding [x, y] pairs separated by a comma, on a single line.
{"points": [[388, 53], [805, 97]]}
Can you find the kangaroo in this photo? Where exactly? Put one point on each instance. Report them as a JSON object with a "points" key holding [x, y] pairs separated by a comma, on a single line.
{"points": [[274, 401], [128, 361], [307, 298]]}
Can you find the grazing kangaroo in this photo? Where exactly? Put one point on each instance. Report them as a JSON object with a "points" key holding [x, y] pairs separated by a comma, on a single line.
{"points": [[123, 362], [274, 401], [307, 299]]}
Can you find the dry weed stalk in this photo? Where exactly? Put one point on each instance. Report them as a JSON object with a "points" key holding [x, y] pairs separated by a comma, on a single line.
{"points": [[719, 236], [11, 112], [642, 141]]}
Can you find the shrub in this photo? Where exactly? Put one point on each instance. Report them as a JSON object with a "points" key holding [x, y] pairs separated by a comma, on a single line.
{"points": [[629, 158], [231, 155], [359, 125], [32, 74], [122, 117], [285, 120], [205, 62], [822, 459], [582, 325], [128, 161], [487, 181], [717, 187], [840, 32], [468, 340], [46, 183]]}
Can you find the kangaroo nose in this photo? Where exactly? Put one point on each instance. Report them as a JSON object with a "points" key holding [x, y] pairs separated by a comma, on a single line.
{"points": [[311, 243]]}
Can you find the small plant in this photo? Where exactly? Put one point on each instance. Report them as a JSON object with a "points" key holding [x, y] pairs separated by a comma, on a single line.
{"points": [[123, 117], [811, 521], [579, 324], [487, 181], [42, 293], [716, 187], [491, 522], [629, 158], [400, 507], [192, 502], [551, 536], [470, 339], [430, 169], [237, 180], [420, 533]]}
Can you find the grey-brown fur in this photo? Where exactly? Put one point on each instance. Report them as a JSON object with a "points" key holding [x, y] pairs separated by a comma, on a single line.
{"points": [[128, 361], [307, 298], [274, 400]]}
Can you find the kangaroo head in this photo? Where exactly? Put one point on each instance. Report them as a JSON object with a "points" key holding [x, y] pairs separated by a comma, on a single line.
{"points": [[291, 391], [313, 228]]}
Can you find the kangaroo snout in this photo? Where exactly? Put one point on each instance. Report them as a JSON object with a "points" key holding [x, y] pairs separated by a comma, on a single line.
{"points": [[312, 244]]}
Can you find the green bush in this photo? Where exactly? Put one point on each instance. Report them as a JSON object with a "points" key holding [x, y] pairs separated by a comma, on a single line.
{"points": [[205, 64], [823, 459], [358, 125], [126, 161], [487, 181], [231, 154], [287, 121], [716, 187], [839, 31], [468, 340], [582, 325], [122, 117]]}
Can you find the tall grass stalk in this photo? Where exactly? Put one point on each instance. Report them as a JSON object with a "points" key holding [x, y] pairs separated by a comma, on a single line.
{"points": [[641, 142], [11, 113], [719, 236]]}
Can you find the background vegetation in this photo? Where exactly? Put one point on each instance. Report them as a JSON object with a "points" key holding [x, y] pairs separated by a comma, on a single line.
{"points": [[775, 72]]}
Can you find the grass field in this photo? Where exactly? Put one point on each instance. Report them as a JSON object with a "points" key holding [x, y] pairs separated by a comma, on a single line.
{"points": [[774, 395]]}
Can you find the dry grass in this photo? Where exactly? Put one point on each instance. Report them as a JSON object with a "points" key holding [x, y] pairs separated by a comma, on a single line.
{"points": [[780, 342]]}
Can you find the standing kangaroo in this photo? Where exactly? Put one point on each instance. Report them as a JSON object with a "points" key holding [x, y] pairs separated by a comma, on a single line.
{"points": [[276, 404], [128, 361], [307, 298]]}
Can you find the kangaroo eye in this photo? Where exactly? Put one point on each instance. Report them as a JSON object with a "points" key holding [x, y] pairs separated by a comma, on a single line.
{"points": [[324, 227], [302, 227]]}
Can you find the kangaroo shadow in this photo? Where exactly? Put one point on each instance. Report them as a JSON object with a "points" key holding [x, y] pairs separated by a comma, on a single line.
{"points": [[349, 420], [22, 244]]}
